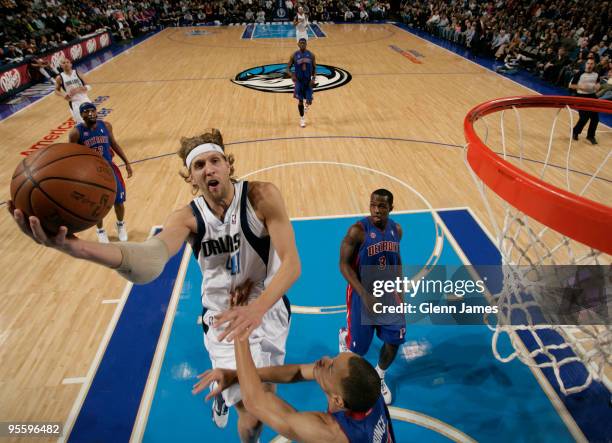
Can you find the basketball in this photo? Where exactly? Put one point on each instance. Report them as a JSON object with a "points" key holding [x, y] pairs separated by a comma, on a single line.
{"points": [[64, 185]]}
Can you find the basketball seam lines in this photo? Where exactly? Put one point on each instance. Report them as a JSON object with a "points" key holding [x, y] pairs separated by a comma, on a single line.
{"points": [[78, 181], [93, 154], [36, 184]]}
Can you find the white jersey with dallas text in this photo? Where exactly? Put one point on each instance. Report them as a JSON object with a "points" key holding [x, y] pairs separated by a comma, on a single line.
{"points": [[229, 252], [232, 250]]}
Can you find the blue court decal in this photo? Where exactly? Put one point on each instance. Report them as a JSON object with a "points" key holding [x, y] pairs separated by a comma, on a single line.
{"points": [[457, 389], [113, 399]]}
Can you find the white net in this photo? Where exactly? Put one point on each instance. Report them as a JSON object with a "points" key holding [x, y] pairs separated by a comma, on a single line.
{"points": [[576, 346]]}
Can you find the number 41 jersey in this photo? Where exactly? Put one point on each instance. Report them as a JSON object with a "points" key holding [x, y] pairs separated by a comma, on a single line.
{"points": [[232, 250]]}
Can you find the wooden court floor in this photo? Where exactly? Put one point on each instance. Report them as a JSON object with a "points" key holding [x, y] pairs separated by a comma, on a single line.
{"points": [[401, 118]]}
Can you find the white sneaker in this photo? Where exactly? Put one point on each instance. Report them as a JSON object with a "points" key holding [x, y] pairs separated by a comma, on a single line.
{"points": [[102, 237], [386, 393], [220, 411], [302, 122], [342, 335], [123, 235]]}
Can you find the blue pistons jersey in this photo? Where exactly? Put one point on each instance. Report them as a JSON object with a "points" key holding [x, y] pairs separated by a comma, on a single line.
{"points": [[303, 65], [98, 138], [378, 258], [373, 426], [379, 248]]}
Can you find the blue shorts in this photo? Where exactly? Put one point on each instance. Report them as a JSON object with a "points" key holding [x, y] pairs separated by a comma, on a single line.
{"points": [[360, 336], [303, 90], [120, 198]]}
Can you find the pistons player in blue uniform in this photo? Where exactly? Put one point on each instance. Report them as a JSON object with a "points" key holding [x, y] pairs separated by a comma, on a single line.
{"points": [[373, 242], [356, 411], [304, 77], [98, 135]]}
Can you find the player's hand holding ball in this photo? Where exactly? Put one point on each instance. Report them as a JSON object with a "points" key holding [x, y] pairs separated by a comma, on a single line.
{"points": [[62, 189], [31, 227]]}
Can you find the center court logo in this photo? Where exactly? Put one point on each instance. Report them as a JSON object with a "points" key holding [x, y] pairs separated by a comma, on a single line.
{"points": [[272, 78]]}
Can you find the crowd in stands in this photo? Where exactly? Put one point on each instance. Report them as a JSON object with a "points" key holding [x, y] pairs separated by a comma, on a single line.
{"points": [[31, 29], [551, 38]]}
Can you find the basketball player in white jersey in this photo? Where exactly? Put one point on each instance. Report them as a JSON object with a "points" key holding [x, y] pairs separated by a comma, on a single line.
{"points": [[301, 24], [241, 236], [71, 87]]}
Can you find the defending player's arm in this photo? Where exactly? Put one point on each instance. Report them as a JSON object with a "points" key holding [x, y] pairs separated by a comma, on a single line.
{"points": [[288, 70], [349, 248], [224, 378], [118, 149], [270, 207], [276, 413], [138, 262]]}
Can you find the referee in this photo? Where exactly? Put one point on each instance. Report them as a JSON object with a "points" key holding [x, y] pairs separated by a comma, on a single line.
{"points": [[586, 84]]}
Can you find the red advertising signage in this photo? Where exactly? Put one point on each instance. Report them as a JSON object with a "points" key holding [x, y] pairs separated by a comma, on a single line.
{"points": [[18, 76]]}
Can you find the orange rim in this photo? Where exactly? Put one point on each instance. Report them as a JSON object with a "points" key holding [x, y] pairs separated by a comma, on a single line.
{"points": [[583, 220]]}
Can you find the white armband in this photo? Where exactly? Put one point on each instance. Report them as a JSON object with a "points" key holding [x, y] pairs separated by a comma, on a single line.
{"points": [[142, 262]]}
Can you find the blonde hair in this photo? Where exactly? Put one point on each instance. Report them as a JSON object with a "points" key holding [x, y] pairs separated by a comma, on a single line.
{"points": [[189, 143]]}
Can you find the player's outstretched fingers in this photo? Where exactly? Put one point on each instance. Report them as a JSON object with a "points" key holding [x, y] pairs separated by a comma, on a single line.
{"points": [[224, 317], [204, 381], [21, 222], [40, 236], [37, 231]]}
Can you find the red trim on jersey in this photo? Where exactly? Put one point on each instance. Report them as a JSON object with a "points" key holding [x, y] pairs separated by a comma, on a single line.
{"points": [[349, 297], [358, 415], [118, 174]]}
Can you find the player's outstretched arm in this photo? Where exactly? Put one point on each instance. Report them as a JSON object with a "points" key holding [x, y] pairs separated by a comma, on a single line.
{"points": [[270, 207], [138, 262], [276, 413], [225, 378]]}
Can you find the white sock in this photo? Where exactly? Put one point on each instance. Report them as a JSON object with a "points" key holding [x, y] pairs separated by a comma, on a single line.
{"points": [[381, 372], [119, 223]]}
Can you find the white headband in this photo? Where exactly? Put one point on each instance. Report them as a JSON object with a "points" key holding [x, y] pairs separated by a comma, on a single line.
{"points": [[201, 149]]}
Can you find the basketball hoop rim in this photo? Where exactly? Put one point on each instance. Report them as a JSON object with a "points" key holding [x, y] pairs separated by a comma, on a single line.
{"points": [[583, 220]]}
